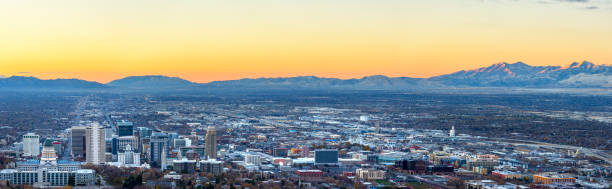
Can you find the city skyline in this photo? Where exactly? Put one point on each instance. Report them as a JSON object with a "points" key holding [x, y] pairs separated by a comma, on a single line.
{"points": [[210, 41]]}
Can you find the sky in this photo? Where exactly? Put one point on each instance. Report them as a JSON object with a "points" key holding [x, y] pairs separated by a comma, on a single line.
{"points": [[203, 41]]}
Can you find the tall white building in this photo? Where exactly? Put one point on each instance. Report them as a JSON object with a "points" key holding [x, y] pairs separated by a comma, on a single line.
{"points": [[31, 144], [96, 144], [451, 133]]}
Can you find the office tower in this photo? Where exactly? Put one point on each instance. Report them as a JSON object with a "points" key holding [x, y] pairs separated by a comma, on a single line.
{"points": [[78, 147], [181, 142], [171, 137], [31, 145], [145, 146], [109, 144], [144, 135], [108, 132], [125, 128], [96, 144], [158, 148], [377, 123], [211, 143], [327, 156], [451, 133], [144, 132]]}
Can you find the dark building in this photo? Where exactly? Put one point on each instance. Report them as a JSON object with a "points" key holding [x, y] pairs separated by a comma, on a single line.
{"points": [[413, 166], [159, 147], [326, 156], [114, 145], [372, 158], [211, 166], [125, 128], [78, 147], [200, 150], [184, 166], [440, 169], [280, 152]]}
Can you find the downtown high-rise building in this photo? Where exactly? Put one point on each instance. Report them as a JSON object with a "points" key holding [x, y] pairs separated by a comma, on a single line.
{"points": [[125, 128], [144, 136], [96, 144], [31, 144], [211, 143], [158, 148], [77, 143]]}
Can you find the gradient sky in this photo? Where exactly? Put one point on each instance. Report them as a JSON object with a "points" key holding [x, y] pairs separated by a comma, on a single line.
{"points": [[219, 40]]}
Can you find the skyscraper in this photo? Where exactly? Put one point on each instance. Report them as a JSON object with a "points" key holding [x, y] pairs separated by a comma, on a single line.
{"points": [[211, 143], [96, 144], [451, 133], [108, 132], [31, 144], [125, 128], [158, 147], [144, 136], [78, 147]]}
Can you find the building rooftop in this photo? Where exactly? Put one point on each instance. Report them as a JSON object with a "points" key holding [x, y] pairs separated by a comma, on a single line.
{"points": [[29, 162], [67, 162], [85, 171]]}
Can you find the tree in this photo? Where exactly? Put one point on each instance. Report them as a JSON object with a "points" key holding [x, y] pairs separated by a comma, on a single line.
{"points": [[71, 181], [456, 182]]}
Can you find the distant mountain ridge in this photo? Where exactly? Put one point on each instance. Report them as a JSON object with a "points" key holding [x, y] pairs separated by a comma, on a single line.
{"points": [[522, 75], [576, 75], [151, 81], [21, 82]]}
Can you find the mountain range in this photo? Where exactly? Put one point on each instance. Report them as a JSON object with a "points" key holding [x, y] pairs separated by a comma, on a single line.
{"points": [[576, 75]]}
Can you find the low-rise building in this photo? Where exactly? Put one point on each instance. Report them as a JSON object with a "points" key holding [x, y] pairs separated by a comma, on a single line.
{"points": [[184, 166], [310, 175], [549, 178], [211, 166], [370, 174]]}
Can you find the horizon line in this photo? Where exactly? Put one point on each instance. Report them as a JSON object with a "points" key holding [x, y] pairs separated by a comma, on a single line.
{"points": [[323, 77]]}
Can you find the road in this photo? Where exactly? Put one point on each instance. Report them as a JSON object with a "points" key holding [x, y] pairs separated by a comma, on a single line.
{"points": [[67, 154], [431, 183], [587, 151]]}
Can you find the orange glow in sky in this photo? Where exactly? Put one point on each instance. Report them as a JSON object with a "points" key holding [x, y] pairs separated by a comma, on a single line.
{"points": [[205, 41]]}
